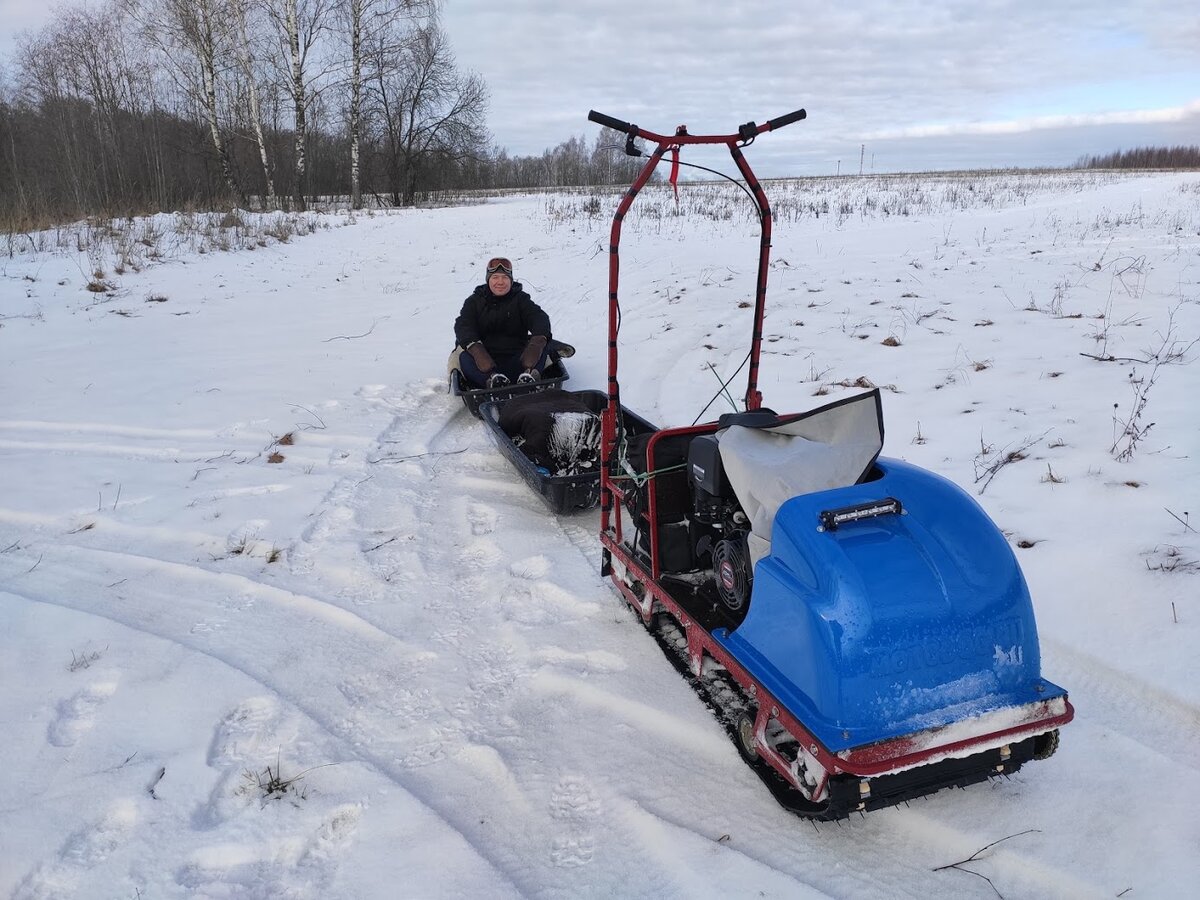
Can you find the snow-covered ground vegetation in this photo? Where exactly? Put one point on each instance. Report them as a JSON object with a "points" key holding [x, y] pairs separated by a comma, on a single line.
{"points": [[276, 619]]}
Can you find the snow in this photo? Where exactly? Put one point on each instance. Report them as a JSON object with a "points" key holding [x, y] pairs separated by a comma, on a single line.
{"points": [[388, 627]]}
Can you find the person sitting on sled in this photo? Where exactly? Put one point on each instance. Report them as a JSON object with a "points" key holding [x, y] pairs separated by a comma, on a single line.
{"points": [[503, 334]]}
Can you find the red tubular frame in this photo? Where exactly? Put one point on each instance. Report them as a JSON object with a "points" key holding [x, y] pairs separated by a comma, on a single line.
{"points": [[753, 397]]}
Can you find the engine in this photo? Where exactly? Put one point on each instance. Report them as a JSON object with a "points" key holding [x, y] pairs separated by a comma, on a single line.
{"points": [[722, 523]]}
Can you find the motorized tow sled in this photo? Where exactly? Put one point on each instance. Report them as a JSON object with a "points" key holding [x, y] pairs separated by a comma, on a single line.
{"points": [[859, 625]]}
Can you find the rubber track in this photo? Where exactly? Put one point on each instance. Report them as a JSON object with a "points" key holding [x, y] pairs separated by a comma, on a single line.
{"points": [[726, 701]]}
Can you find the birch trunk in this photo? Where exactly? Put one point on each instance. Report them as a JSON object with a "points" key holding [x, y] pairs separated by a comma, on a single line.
{"points": [[247, 63], [356, 14], [298, 101], [208, 74]]}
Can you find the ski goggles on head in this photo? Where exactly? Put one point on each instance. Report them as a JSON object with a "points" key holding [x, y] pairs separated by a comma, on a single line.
{"points": [[498, 265]]}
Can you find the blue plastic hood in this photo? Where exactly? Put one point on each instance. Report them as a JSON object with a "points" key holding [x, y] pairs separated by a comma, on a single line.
{"points": [[891, 624]]}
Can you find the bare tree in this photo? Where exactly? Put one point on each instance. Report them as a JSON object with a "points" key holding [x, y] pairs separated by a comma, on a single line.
{"points": [[299, 25], [241, 10], [11, 183], [427, 108], [99, 117], [196, 37], [382, 24]]}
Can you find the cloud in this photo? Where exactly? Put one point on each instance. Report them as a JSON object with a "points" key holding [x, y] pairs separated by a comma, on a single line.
{"points": [[1168, 115], [928, 76]]}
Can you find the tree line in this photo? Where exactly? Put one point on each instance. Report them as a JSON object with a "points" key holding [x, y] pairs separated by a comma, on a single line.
{"points": [[132, 106], [1180, 157]]}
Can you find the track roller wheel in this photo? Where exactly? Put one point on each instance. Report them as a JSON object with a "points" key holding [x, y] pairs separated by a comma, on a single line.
{"points": [[744, 729], [1044, 745]]}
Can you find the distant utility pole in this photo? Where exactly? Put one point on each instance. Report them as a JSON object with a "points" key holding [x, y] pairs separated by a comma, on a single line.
{"points": [[862, 155], [839, 171]]}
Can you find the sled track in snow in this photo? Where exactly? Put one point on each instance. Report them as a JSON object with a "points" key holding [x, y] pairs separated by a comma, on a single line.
{"points": [[1162, 723]]}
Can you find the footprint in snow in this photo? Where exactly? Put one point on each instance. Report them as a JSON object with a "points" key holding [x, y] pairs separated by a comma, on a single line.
{"points": [[575, 805], [482, 519], [87, 847], [76, 716], [570, 851], [299, 865], [532, 602], [481, 554], [532, 568], [574, 800], [247, 732], [95, 842], [326, 846]]}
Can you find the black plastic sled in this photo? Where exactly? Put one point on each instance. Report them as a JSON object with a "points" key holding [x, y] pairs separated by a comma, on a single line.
{"points": [[577, 490], [552, 378]]}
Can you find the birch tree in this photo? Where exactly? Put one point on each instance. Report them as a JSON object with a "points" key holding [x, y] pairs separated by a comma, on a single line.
{"points": [[355, 12], [299, 25], [382, 24], [427, 108], [195, 37], [241, 10]]}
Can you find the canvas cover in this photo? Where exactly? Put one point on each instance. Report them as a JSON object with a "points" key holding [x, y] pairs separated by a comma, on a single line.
{"points": [[830, 447], [558, 430]]}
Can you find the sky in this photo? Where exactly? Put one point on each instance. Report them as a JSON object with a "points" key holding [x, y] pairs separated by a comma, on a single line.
{"points": [[920, 84], [888, 86], [247, 538]]}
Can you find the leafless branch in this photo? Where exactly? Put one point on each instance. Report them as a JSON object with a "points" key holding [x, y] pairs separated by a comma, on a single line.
{"points": [[986, 470], [311, 413], [398, 459], [977, 855], [354, 337]]}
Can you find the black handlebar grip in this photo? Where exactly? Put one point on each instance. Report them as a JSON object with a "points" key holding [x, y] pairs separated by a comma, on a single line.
{"points": [[610, 122], [787, 120]]}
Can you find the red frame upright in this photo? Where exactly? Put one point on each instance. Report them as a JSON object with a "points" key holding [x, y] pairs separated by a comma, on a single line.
{"points": [[753, 398]]}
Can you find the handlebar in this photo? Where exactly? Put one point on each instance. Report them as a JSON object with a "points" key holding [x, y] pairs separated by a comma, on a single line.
{"points": [[745, 133], [610, 122], [791, 117]]}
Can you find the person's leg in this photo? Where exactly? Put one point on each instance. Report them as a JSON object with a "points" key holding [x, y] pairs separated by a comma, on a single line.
{"points": [[509, 365]]}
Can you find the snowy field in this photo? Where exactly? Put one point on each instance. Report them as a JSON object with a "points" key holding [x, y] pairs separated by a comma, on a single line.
{"points": [[276, 620]]}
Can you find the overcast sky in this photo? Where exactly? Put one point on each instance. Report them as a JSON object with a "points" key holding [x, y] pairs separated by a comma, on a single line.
{"points": [[923, 85]]}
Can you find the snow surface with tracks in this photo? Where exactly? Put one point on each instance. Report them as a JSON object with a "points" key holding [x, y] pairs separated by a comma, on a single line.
{"points": [[385, 624]]}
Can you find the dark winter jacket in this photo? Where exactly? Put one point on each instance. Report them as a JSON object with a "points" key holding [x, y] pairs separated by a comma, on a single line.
{"points": [[503, 324]]}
